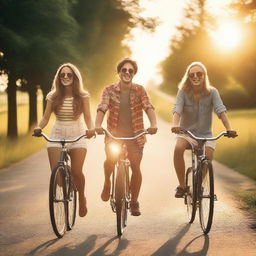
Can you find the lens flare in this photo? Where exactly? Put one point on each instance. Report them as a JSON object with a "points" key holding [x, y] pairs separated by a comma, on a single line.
{"points": [[115, 148]]}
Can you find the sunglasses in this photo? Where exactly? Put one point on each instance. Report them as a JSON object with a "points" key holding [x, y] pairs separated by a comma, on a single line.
{"points": [[199, 74], [63, 75], [130, 70]]}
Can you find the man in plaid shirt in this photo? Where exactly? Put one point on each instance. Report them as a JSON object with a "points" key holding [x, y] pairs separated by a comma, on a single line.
{"points": [[125, 102]]}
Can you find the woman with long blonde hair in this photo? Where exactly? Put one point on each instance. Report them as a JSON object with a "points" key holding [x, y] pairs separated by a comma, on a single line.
{"points": [[69, 102], [195, 102]]}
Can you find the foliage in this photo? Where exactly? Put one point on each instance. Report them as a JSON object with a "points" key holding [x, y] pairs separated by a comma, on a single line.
{"points": [[232, 73]]}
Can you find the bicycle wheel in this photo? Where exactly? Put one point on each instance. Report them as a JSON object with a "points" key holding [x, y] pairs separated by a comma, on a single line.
{"points": [[57, 203], [206, 196], [190, 196], [120, 199], [72, 201]]}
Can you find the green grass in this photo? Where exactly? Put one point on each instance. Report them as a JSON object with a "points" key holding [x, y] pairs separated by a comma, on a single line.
{"points": [[12, 151]]}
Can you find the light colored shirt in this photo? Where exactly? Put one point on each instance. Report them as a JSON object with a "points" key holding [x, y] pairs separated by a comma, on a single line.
{"points": [[196, 116], [66, 112]]}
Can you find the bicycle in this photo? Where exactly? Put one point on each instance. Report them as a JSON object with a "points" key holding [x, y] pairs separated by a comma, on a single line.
{"points": [[62, 190], [120, 194], [200, 183]]}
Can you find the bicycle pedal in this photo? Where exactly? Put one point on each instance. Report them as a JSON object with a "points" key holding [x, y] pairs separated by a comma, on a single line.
{"points": [[215, 198]]}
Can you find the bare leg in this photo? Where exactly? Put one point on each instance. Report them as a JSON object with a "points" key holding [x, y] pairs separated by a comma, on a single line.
{"points": [[179, 163], [77, 160], [136, 180], [54, 156], [209, 152], [109, 166]]}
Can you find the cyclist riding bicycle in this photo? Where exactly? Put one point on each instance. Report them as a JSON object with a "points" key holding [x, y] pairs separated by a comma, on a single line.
{"points": [[195, 102], [125, 101], [68, 100]]}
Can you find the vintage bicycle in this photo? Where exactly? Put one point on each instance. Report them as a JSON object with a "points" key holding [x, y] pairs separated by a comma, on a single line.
{"points": [[200, 183], [62, 190], [120, 194]]}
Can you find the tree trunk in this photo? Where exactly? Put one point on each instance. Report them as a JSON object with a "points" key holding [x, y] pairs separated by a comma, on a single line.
{"points": [[12, 130], [32, 106]]}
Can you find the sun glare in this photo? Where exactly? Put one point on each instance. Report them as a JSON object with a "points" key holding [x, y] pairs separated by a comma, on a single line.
{"points": [[228, 36]]}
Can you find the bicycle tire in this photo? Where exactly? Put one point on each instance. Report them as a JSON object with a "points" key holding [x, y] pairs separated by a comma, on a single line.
{"points": [[72, 201], [57, 202], [120, 199], [206, 195], [190, 195]]}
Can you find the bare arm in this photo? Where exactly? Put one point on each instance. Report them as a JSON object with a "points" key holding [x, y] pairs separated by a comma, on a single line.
{"points": [[47, 113], [98, 122], [152, 118], [176, 123], [224, 118], [87, 113], [175, 119]]}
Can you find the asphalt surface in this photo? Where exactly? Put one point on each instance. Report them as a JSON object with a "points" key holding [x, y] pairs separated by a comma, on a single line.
{"points": [[162, 229]]}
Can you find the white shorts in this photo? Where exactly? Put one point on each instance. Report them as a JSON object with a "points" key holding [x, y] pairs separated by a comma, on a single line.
{"points": [[68, 130], [211, 144]]}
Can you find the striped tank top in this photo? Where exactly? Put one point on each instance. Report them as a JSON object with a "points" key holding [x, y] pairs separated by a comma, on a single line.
{"points": [[66, 112]]}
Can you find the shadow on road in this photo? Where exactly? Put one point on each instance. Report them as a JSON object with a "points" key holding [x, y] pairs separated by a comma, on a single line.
{"points": [[42, 247], [85, 248], [121, 245], [170, 247], [201, 252]]}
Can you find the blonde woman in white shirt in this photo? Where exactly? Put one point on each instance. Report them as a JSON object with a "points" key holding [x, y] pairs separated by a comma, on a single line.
{"points": [[70, 104]]}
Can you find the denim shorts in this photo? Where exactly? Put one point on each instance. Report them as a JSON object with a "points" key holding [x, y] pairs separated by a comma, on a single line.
{"points": [[68, 130]]}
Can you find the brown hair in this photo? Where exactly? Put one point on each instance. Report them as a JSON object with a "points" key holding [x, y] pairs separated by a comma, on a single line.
{"points": [[56, 95], [127, 60]]}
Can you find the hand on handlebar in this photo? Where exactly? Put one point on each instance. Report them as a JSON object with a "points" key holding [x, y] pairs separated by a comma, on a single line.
{"points": [[232, 134], [152, 130], [90, 133], [99, 130], [37, 131], [176, 129]]}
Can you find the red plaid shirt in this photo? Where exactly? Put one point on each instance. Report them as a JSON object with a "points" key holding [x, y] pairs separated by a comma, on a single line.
{"points": [[139, 101]]}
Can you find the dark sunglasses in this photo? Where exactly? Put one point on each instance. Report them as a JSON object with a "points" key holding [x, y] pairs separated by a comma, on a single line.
{"points": [[130, 70], [63, 75], [199, 74]]}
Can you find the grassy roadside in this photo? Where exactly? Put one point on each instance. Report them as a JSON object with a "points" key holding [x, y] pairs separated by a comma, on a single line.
{"points": [[14, 151], [238, 154]]}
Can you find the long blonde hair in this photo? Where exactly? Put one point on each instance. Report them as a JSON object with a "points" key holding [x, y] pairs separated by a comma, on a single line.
{"points": [[186, 85], [56, 95]]}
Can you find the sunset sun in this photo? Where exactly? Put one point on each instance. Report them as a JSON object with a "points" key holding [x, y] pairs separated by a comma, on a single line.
{"points": [[227, 36]]}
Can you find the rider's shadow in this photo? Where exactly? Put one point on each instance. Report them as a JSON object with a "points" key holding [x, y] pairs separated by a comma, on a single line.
{"points": [[170, 247], [121, 245], [201, 252], [81, 250]]}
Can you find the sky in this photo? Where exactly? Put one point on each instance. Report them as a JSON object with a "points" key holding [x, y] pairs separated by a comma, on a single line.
{"points": [[149, 49]]}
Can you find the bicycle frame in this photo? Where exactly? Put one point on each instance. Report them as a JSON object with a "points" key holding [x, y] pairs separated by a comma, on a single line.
{"points": [[196, 196], [122, 161], [68, 195]]}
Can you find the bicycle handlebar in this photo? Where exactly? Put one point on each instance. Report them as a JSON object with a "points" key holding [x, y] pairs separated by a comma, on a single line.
{"points": [[190, 134], [61, 141], [125, 138]]}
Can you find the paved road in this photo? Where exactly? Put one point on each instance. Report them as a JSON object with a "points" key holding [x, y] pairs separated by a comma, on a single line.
{"points": [[161, 230]]}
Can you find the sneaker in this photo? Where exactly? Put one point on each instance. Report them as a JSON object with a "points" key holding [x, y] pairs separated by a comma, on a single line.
{"points": [[180, 192], [135, 208], [105, 195]]}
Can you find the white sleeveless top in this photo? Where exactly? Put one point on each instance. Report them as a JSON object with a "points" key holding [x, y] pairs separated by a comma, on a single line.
{"points": [[66, 112]]}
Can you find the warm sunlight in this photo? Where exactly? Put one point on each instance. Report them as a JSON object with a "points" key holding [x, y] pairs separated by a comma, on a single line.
{"points": [[228, 36], [149, 49]]}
